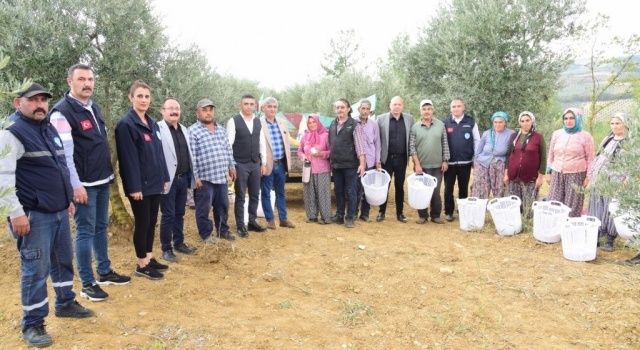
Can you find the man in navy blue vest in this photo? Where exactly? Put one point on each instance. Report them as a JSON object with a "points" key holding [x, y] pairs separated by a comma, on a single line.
{"points": [[39, 211], [247, 142], [462, 136], [78, 120]]}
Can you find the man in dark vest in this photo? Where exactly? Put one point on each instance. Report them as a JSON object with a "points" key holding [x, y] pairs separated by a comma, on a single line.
{"points": [[462, 136], [39, 209], [79, 122], [247, 142]]}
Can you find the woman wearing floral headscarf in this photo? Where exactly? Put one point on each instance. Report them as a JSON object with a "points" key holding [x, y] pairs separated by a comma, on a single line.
{"points": [[314, 150], [491, 155], [610, 147], [570, 155], [527, 161]]}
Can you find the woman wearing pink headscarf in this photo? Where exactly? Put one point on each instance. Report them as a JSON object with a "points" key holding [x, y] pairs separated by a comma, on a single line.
{"points": [[314, 151]]}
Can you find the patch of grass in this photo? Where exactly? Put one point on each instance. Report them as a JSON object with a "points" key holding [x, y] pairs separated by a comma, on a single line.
{"points": [[355, 313], [156, 345]]}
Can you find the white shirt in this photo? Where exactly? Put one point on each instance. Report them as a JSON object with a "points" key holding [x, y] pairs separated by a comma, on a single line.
{"points": [[231, 133]]}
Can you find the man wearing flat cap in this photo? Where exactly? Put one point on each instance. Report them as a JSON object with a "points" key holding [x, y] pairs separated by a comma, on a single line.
{"points": [[177, 155], [429, 150], [39, 211], [212, 161]]}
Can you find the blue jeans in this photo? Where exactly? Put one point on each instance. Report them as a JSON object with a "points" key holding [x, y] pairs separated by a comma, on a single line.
{"points": [[276, 181], [344, 181], [214, 196], [173, 206], [45, 250], [91, 233]]}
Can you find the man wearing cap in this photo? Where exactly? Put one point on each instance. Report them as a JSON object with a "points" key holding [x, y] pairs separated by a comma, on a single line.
{"points": [[39, 211], [212, 160], [278, 164], [429, 151], [78, 120], [394, 151], [177, 155], [463, 137], [371, 135], [247, 141]]}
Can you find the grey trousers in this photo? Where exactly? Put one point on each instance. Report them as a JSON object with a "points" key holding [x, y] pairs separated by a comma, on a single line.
{"points": [[248, 179]]}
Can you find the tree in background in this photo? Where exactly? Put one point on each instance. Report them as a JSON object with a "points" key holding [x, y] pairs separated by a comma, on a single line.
{"points": [[496, 54], [343, 55]]}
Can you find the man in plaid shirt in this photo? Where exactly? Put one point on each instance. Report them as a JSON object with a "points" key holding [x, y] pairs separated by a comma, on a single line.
{"points": [[212, 161]]}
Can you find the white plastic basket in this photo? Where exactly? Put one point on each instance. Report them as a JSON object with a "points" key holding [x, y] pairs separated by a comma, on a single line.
{"points": [[259, 212], [506, 216], [580, 238], [420, 190], [548, 218], [623, 222], [376, 186], [472, 212]]}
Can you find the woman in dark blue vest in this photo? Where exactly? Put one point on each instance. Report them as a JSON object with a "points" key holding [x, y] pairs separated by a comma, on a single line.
{"points": [[144, 175]]}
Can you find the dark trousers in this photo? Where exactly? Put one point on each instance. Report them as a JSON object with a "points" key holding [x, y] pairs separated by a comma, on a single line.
{"points": [[362, 200], [435, 206], [145, 215], [214, 196], [344, 181], [172, 206], [396, 166], [248, 179], [462, 173]]}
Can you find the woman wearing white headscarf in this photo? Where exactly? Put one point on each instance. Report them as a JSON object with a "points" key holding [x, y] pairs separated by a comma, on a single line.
{"points": [[610, 147], [526, 162], [570, 155]]}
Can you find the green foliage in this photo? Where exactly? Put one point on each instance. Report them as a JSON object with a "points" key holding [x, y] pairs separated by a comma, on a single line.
{"points": [[343, 54], [496, 54]]}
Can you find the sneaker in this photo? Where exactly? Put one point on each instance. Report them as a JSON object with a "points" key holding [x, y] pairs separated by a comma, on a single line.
{"points": [[448, 217], [93, 292], [168, 256], [364, 218], [183, 248], [149, 272], [158, 266], [421, 221], [437, 220], [73, 310], [113, 278], [349, 223], [37, 336]]}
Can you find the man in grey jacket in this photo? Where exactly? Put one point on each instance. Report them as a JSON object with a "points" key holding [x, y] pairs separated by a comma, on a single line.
{"points": [[394, 152]]}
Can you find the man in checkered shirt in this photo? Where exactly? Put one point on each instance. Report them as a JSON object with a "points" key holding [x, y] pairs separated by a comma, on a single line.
{"points": [[212, 161]]}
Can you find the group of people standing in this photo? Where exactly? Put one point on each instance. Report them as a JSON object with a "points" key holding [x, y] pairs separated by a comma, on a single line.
{"points": [[60, 165]]}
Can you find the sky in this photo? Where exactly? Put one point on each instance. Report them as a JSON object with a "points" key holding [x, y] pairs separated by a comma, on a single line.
{"points": [[280, 43]]}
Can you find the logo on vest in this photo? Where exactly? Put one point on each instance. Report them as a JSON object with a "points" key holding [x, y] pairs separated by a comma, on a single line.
{"points": [[450, 130], [57, 141], [147, 137], [86, 124], [467, 135]]}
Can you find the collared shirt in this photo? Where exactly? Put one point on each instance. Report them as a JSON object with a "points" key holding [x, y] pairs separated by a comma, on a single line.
{"points": [[231, 132], [212, 153], [182, 149], [277, 144], [358, 138], [397, 136], [443, 141], [371, 141]]}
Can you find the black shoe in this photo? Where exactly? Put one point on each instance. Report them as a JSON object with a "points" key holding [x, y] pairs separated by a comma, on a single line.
{"points": [[242, 232], [158, 266], [421, 221], [113, 278], [380, 217], [364, 218], [37, 336], [169, 256], [228, 236], [184, 249], [401, 218], [324, 222], [312, 220], [73, 310], [349, 223], [607, 247], [448, 217], [254, 226], [149, 272], [337, 219], [93, 292]]}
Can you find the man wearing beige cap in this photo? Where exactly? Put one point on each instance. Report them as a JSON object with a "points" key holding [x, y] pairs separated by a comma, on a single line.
{"points": [[212, 161], [429, 150], [177, 155]]}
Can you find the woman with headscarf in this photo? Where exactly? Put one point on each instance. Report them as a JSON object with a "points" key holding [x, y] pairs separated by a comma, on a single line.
{"points": [[610, 147], [490, 158], [526, 161], [570, 155], [314, 152]]}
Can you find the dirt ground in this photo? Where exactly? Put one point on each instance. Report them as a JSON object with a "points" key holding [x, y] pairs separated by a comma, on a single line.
{"points": [[379, 286]]}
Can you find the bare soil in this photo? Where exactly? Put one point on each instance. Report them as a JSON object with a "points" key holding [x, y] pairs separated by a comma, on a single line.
{"points": [[379, 286]]}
